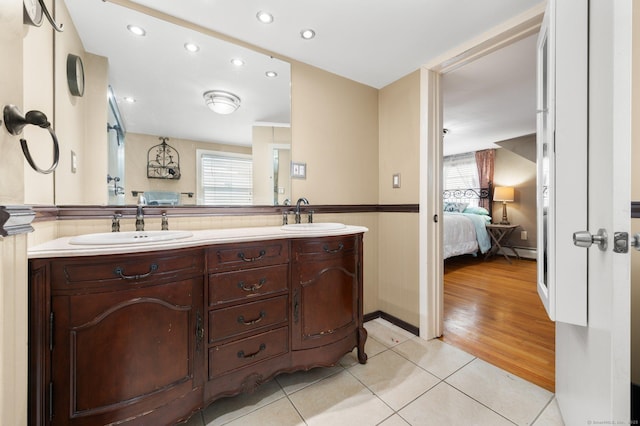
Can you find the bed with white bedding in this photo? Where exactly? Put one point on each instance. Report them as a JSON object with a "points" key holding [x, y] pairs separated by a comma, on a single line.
{"points": [[464, 224], [464, 233]]}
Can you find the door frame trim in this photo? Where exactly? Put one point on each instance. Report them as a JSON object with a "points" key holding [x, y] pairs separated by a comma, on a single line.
{"points": [[431, 109]]}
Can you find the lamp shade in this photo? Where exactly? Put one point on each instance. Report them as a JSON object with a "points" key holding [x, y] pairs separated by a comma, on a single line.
{"points": [[221, 102], [503, 193]]}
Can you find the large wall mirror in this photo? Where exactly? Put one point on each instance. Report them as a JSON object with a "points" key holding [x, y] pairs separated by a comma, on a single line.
{"points": [[157, 112]]}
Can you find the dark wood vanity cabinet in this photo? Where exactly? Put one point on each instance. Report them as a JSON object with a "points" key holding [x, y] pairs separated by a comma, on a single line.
{"points": [[326, 290], [149, 338], [248, 315], [120, 337]]}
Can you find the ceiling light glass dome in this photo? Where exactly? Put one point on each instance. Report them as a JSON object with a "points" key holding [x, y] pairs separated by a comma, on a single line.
{"points": [[221, 102]]}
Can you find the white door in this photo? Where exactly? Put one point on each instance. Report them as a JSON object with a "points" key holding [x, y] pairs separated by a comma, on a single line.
{"points": [[592, 360]]}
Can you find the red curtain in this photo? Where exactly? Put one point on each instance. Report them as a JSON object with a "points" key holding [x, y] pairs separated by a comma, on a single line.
{"points": [[485, 160]]}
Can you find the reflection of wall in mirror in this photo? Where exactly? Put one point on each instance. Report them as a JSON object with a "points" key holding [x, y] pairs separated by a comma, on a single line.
{"points": [[264, 139], [77, 130], [136, 148]]}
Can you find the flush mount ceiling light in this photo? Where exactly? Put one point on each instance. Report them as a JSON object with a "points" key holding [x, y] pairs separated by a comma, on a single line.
{"points": [[264, 17], [191, 47], [139, 31], [221, 102], [307, 34], [271, 74], [129, 99]]}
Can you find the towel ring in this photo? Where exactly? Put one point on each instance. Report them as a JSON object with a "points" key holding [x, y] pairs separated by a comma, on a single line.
{"points": [[15, 122]]}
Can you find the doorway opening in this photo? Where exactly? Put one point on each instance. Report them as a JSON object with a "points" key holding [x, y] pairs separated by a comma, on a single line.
{"points": [[464, 291]]}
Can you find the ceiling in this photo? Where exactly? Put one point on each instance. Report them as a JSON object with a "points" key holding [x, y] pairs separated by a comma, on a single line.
{"points": [[376, 42]]}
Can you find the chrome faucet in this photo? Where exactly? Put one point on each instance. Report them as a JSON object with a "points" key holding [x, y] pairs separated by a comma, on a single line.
{"points": [[300, 200], [140, 213]]}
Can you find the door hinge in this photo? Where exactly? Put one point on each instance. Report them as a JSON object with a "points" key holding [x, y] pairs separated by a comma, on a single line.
{"points": [[51, 330]]}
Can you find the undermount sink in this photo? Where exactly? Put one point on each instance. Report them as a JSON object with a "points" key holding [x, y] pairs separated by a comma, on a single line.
{"points": [[133, 237], [313, 227]]}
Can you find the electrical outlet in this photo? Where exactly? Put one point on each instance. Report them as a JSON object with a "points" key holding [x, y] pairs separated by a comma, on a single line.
{"points": [[523, 235]]}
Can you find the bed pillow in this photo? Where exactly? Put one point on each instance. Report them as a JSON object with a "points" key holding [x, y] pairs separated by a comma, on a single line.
{"points": [[455, 207], [476, 210]]}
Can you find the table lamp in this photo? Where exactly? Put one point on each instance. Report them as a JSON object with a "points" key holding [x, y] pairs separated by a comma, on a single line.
{"points": [[505, 195]]}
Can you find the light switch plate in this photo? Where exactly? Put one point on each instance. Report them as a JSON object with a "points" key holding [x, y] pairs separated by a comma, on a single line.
{"points": [[396, 180], [298, 170], [74, 162]]}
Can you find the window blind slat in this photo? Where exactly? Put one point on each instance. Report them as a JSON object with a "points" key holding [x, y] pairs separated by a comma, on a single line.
{"points": [[226, 180]]}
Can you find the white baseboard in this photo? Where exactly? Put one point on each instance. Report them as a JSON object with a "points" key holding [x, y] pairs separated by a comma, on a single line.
{"points": [[523, 252]]}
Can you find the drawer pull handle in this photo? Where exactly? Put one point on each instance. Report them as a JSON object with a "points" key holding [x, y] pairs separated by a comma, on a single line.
{"points": [[252, 259], [328, 250], [254, 321], [120, 272], [253, 287], [253, 355]]}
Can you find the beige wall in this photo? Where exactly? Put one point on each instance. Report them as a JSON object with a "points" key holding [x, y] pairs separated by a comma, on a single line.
{"points": [[13, 250], [513, 170], [335, 132], [38, 95], [261, 143], [399, 124], [399, 115]]}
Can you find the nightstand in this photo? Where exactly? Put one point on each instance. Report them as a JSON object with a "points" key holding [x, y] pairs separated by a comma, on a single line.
{"points": [[500, 240]]}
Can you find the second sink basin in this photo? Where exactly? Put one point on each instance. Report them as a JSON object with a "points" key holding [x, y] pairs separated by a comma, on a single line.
{"points": [[133, 237], [313, 227]]}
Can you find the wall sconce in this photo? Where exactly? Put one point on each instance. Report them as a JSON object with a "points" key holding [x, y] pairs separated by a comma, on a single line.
{"points": [[505, 194], [221, 102]]}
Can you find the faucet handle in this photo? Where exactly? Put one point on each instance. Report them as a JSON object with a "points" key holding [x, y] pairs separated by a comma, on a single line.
{"points": [[115, 222], [165, 222]]}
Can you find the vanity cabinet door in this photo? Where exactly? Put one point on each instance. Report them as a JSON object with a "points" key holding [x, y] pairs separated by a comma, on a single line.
{"points": [[123, 353], [326, 291]]}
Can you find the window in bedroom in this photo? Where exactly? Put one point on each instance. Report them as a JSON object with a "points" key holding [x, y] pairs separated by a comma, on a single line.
{"points": [[460, 171], [224, 179]]}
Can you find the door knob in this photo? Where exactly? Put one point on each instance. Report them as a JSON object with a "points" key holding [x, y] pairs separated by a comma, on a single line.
{"points": [[585, 239]]}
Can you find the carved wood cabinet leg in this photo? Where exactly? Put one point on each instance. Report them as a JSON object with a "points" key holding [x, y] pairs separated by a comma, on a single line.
{"points": [[362, 338]]}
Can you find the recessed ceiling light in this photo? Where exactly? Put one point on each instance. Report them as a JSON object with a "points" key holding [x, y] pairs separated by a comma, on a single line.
{"points": [[237, 62], [191, 47], [307, 34], [271, 74], [139, 31], [129, 99], [265, 17]]}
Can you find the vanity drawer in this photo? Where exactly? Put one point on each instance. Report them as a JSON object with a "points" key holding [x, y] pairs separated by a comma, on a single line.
{"points": [[248, 255], [228, 322], [325, 248], [231, 356], [241, 285], [125, 269]]}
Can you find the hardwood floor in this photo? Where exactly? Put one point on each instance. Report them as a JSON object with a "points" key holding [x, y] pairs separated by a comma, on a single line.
{"points": [[492, 310]]}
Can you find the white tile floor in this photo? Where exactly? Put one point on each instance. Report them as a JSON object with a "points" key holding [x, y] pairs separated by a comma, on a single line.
{"points": [[406, 381]]}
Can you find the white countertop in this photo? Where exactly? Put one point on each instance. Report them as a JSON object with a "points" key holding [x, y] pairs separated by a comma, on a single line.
{"points": [[62, 248]]}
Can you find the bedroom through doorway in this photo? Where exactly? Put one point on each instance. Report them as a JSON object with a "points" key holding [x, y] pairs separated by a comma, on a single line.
{"points": [[491, 307]]}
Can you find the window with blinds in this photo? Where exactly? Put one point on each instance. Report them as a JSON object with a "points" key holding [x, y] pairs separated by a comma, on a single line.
{"points": [[460, 171], [224, 179]]}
